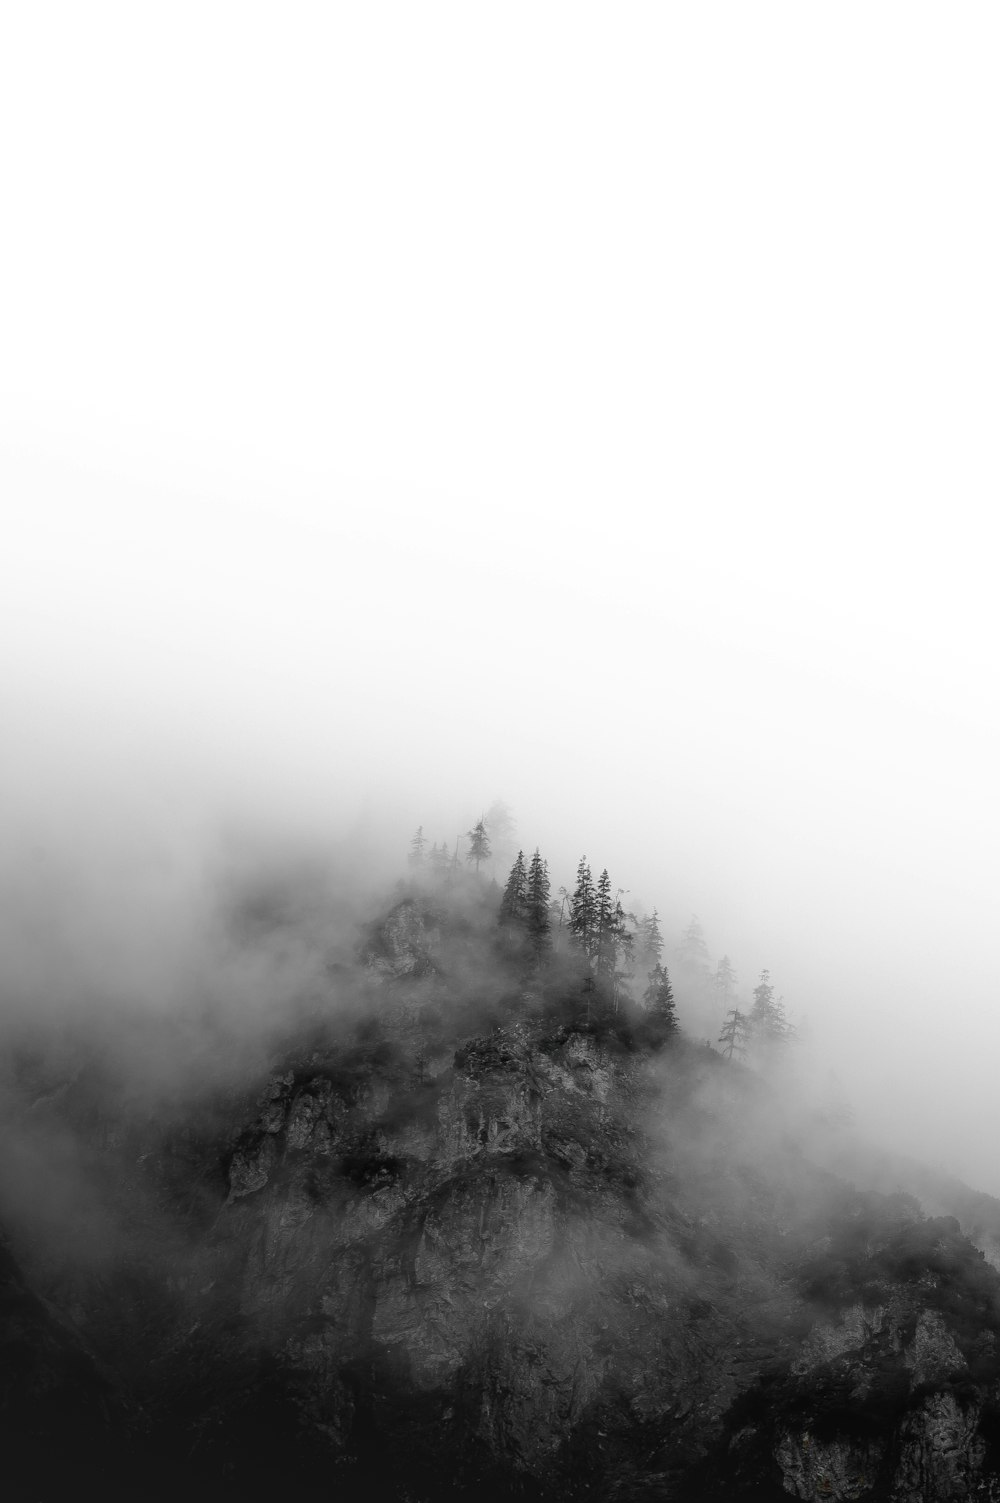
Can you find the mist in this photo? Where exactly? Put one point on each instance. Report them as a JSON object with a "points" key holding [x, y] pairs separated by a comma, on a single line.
{"points": [[630, 464]]}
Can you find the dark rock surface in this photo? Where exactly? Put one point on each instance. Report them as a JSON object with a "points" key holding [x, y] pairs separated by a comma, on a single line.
{"points": [[529, 1258]]}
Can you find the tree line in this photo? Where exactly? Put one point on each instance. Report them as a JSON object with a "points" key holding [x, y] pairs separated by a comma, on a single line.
{"points": [[623, 953]]}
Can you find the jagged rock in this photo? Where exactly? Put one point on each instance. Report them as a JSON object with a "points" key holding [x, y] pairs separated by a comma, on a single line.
{"points": [[406, 942], [526, 1257], [942, 1453], [833, 1469], [934, 1355]]}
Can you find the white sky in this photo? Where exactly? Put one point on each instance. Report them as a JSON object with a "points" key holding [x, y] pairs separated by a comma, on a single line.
{"points": [[594, 406]]}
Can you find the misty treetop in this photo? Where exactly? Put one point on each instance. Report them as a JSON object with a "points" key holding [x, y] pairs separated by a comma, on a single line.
{"points": [[544, 936], [538, 898], [725, 981], [649, 942], [479, 844], [659, 1001], [734, 1035], [693, 949], [513, 904], [417, 846], [525, 917], [767, 1022]]}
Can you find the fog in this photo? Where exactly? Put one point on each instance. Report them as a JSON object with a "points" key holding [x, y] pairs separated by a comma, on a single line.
{"points": [[586, 411]]}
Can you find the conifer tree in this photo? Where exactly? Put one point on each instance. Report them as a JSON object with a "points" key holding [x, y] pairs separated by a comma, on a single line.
{"points": [[724, 982], [624, 950], [500, 826], [416, 856], [693, 951], [604, 950], [583, 906], [650, 943], [479, 844], [513, 904], [734, 1033], [659, 1003], [537, 906], [767, 1021]]}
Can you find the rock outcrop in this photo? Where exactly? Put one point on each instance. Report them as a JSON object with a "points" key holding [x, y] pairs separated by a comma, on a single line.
{"points": [[497, 1247]]}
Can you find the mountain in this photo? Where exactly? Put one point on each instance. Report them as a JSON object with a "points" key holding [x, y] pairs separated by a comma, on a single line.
{"points": [[465, 1228]]}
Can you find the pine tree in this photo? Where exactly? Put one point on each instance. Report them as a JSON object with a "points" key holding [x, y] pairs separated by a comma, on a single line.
{"points": [[557, 915], [479, 844], [537, 915], [500, 826], [416, 856], [624, 950], [650, 943], [513, 904], [724, 982], [604, 949], [734, 1033], [693, 951], [438, 859], [767, 1022], [659, 1003], [583, 906]]}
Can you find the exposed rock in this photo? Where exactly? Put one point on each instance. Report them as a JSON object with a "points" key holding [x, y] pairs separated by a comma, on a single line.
{"points": [[942, 1452], [406, 942], [934, 1356], [523, 1260], [835, 1469]]}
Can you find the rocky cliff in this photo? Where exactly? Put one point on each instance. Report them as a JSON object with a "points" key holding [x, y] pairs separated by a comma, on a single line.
{"points": [[468, 1242]]}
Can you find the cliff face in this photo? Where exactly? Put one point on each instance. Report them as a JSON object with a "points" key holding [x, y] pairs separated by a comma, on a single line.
{"points": [[529, 1258]]}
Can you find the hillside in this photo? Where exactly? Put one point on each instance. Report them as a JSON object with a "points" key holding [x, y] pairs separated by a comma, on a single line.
{"points": [[461, 1227]]}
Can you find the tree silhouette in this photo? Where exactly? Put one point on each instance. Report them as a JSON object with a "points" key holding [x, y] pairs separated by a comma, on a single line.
{"points": [[624, 946], [479, 844], [724, 983], [767, 1022], [500, 826], [513, 904], [734, 1033], [583, 906], [537, 908], [661, 1013], [693, 951], [649, 943], [604, 940]]}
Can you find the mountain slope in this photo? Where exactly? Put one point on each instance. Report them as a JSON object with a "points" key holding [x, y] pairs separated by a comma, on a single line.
{"points": [[480, 1237]]}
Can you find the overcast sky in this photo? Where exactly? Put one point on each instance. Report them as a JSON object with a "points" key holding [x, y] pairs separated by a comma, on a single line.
{"points": [[591, 406]]}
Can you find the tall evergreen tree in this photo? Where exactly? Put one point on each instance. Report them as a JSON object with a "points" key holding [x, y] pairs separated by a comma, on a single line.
{"points": [[583, 906], [659, 1003], [479, 844], [693, 951], [734, 1033], [649, 943], [537, 908], [724, 982], [417, 844], [513, 904], [624, 949], [604, 949], [500, 826], [767, 1021], [438, 859]]}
